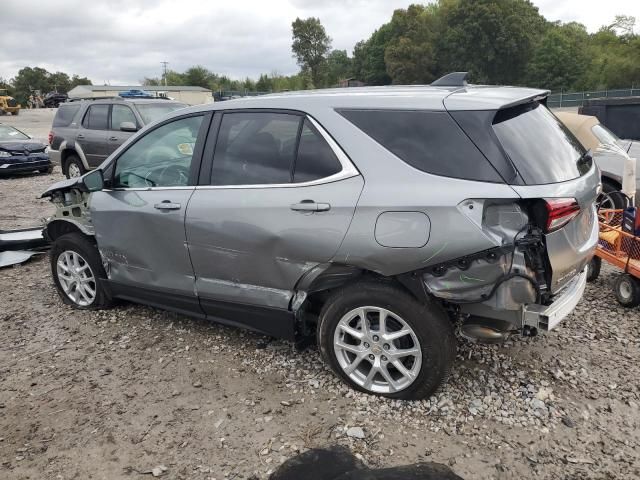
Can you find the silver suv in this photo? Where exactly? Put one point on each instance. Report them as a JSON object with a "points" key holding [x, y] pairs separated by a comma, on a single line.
{"points": [[84, 133], [374, 220]]}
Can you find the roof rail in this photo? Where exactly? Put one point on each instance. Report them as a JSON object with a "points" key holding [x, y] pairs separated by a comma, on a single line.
{"points": [[79, 99], [454, 79]]}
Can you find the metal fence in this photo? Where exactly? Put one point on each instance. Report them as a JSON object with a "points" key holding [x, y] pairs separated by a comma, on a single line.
{"points": [[576, 99]]}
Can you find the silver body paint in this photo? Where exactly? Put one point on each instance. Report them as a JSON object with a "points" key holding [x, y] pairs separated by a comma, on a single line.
{"points": [[244, 245]]}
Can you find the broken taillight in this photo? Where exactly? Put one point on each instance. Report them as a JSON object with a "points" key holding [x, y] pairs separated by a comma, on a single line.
{"points": [[560, 211], [50, 137]]}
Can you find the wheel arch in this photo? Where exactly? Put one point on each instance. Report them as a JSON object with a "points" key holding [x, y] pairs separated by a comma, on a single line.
{"points": [[56, 228], [71, 148]]}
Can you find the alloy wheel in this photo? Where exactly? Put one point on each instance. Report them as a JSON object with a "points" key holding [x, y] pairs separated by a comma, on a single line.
{"points": [[377, 349], [74, 170], [76, 278]]}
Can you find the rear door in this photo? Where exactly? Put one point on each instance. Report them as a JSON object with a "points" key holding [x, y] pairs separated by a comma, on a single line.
{"points": [[276, 200], [119, 115], [92, 134]]}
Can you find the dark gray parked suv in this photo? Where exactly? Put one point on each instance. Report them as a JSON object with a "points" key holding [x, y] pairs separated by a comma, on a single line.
{"points": [[376, 220], [85, 133]]}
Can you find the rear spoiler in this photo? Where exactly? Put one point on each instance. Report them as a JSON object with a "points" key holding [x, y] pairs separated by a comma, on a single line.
{"points": [[481, 97]]}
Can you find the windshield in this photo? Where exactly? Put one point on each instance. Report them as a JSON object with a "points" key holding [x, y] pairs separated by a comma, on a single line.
{"points": [[539, 145], [153, 111], [8, 133]]}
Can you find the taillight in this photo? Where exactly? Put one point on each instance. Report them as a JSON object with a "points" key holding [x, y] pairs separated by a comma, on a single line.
{"points": [[560, 211], [50, 137]]}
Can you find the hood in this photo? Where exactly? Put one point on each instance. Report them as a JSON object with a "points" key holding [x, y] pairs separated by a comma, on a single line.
{"points": [[64, 185], [21, 145]]}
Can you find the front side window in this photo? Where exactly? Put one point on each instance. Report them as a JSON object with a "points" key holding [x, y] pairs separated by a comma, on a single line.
{"points": [[121, 114], [96, 118], [162, 158], [255, 148]]}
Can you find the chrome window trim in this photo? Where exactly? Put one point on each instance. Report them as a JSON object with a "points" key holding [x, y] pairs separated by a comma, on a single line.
{"points": [[348, 171]]}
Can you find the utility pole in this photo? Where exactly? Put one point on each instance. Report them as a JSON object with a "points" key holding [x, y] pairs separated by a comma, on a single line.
{"points": [[164, 72]]}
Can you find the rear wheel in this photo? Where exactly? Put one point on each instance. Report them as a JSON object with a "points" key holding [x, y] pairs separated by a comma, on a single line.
{"points": [[627, 290], [593, 269], [381, 340], [73, 167], [16, 112], [611, 197], [78, 272]]}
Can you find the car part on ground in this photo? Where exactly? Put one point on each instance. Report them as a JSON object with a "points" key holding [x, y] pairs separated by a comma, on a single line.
{"points": [[18, 246], [376, 219], [85, 133]]}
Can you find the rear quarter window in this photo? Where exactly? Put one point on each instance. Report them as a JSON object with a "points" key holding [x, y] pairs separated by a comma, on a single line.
{"points": [[65, 114], [430, 141]]}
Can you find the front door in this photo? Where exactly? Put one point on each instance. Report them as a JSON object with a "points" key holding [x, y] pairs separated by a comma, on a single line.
{"points": [[278, 202], [92, 134], [119, 115], [139, 220]]}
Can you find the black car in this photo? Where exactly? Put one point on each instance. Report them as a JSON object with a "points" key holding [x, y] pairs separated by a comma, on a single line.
{"points": [[54, 99], [19, 153]]}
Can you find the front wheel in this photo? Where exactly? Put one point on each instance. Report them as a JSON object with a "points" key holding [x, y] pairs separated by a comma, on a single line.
{"points": [[78, 272], [381, 340], [593, 269]]}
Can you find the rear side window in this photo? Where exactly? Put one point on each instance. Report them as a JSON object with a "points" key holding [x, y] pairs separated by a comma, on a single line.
{"points": [[64, 115], [255, 149], [315, 158], [541, 148], [96, 118], [427, 140]]}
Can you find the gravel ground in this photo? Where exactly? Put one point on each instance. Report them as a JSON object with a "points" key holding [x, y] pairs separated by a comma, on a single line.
{"points": [[117, 393]]}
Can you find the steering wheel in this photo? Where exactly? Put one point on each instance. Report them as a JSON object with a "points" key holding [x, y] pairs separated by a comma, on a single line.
{"points": [[173, 176]]}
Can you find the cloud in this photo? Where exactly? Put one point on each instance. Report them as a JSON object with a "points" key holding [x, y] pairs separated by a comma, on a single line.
{"points": [[123, 41]]}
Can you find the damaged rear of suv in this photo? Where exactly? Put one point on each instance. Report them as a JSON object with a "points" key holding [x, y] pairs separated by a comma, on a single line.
{"points": [[375, 220]]}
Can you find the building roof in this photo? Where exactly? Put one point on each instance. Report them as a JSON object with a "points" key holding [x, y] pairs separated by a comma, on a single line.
{"points": [[150, 88]]}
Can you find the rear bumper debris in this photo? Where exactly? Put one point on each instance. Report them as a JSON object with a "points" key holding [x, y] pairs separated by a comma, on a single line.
{"points": [[547, 317]]}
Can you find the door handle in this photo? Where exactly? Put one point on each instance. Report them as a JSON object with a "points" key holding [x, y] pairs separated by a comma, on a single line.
{"points": [[310, 206], [79, 136], [113, 139], [167, 205]]}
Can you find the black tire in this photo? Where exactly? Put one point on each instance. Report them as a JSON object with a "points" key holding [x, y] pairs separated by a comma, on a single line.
{"points": [[82, 245], [47, 170], [618, 198], [593, 269], [627, 290], [73, 160], [16, 113], [428, 321]]}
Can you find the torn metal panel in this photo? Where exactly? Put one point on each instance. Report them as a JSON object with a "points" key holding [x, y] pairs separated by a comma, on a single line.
{"points": [[22, 239], [15, 257]]}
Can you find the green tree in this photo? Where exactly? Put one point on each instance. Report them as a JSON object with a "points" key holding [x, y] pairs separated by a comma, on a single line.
{"points": [[339, 67], [310, 47], [409, 55], [368, 57], [561, 59], [492, 39], [197, 76]]}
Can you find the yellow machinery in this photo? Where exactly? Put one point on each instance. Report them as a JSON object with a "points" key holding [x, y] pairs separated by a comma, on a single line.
{"points": [[8, 104]]}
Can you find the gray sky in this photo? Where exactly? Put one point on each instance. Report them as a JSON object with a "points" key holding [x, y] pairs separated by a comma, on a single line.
{"points": [[122, 41]]}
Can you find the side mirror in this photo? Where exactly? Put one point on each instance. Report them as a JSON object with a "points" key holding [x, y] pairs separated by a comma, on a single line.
{"points": [[93, 181], [128, 127]]}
